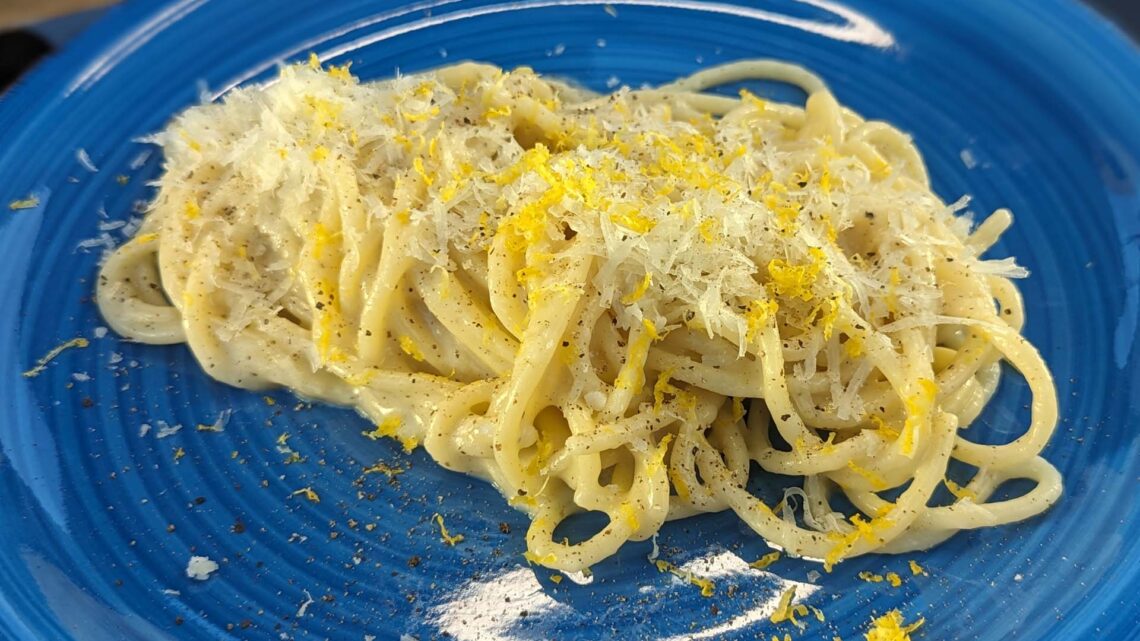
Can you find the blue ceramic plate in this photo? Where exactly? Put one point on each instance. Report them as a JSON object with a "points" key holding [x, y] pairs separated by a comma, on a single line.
{"points": [[1029, 104]]}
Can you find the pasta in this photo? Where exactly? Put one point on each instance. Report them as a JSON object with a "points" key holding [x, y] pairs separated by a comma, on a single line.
{"points": [[613, 304]]}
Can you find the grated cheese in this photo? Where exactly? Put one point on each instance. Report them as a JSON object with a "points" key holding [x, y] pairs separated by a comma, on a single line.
{"points": [[200, 568], [679, 212]]}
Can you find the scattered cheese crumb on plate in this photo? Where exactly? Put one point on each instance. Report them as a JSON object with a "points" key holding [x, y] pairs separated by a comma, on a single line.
{"points": [[200, 568]]}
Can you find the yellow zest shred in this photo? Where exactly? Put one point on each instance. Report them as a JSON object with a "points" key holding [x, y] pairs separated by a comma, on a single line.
{"points": [[658, 458], [765, 561], [447, 537], [383, 468], [707, 230], [556, 578], [534, 559], [750, 98], [887, 432], [916, 569], [894, 579], [737, 409], [389, 428], [25, 203], [638, 291], [650, 329], [798, 610], [918, 406], [891, 627], [341, 72], [43, 361], [679, 484], [628, 513], [408, 345], [863, 530], [876, 481], [962, 493], [632, 219], [308, 493], [796, 281], [179, 453], [190, 142], [892, 297], [420, 117], [757, 315], [784, 610], [498, 112]]}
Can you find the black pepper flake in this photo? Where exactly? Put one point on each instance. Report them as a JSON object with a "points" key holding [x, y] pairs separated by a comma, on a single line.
{"points": [[199, 500], [505, 527], [87, 402], [179, 620], [238, 527], [784, 417], [414, 561]]}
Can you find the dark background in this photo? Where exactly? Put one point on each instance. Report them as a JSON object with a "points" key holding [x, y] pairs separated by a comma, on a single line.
{"points": [[20, 49], [1125, 13]]}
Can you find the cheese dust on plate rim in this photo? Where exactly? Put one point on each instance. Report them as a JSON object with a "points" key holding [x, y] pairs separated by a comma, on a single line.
{"points": [[611, 303]]}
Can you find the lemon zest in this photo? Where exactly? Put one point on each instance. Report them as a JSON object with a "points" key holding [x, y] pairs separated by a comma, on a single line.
{"points": [[448, 538], [765, 561], [42, 362], [24, 203], [308, 493]]}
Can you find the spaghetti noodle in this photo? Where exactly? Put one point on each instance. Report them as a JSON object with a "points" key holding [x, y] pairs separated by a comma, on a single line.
{"points": [[602, 303]]}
